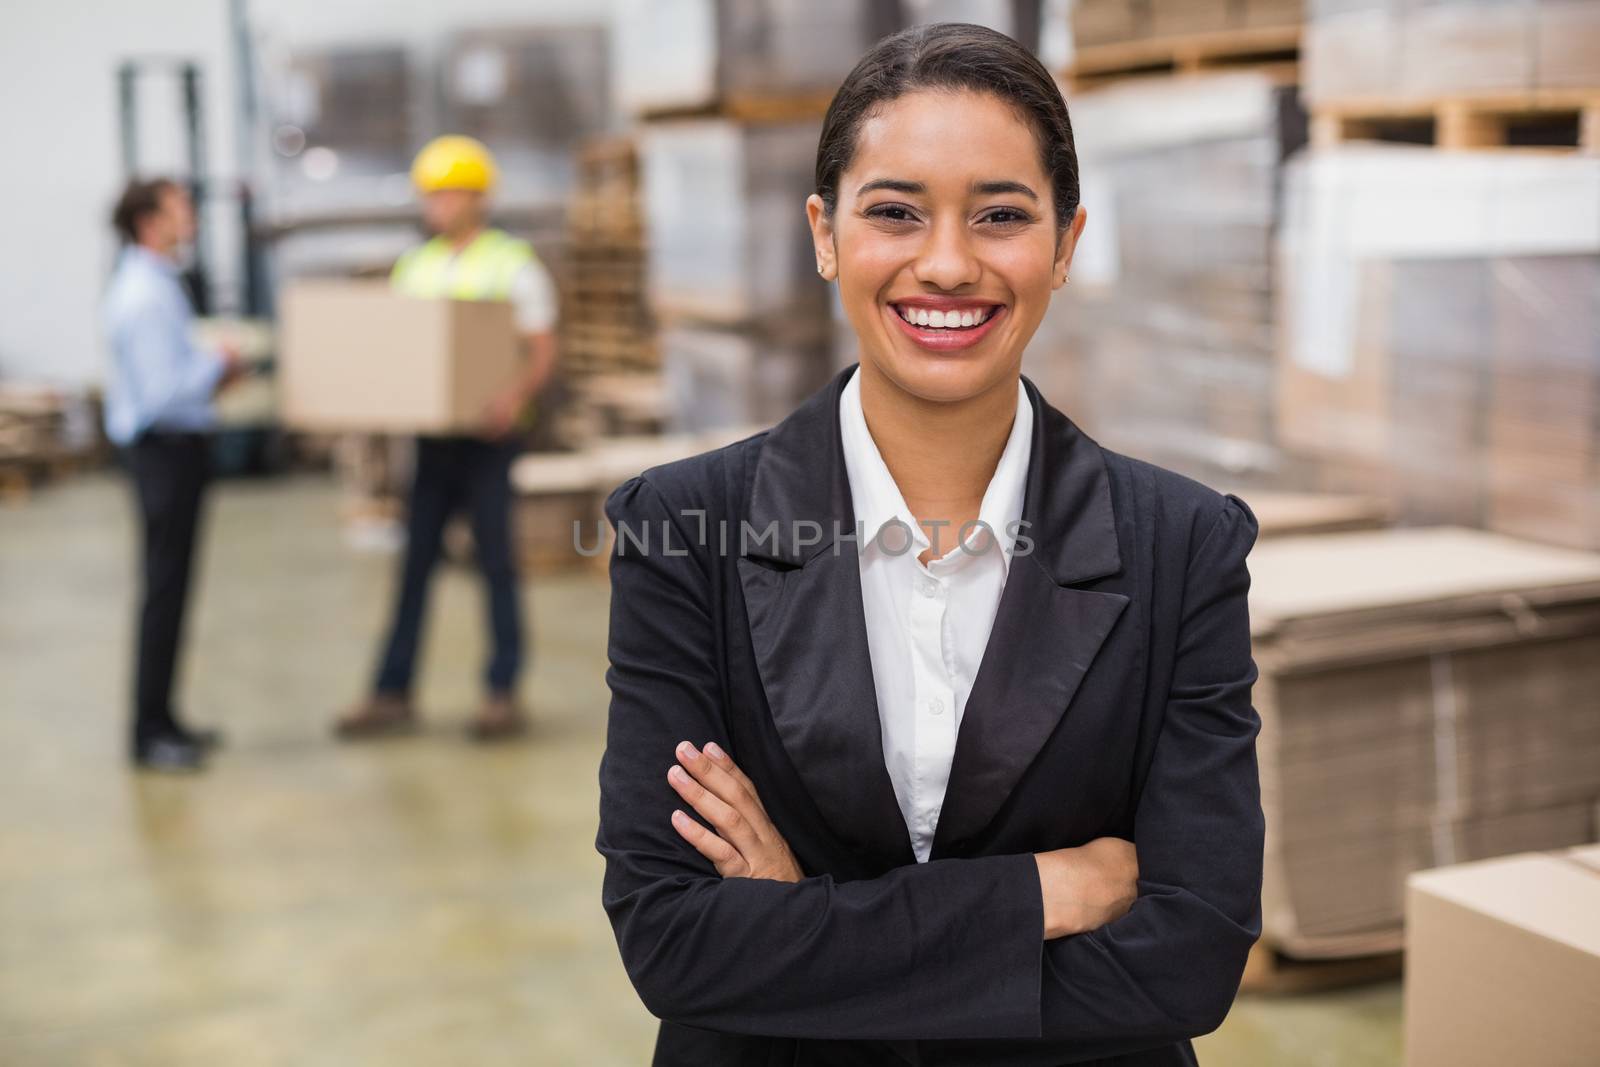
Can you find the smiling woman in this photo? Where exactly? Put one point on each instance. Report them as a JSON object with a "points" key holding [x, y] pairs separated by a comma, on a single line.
{"points": [[876, 795]]}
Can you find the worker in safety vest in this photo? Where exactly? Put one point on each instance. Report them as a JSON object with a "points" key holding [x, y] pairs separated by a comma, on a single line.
{"points": [[465, 260]]}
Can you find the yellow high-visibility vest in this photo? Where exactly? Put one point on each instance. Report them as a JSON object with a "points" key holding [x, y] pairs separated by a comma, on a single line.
{"points": [[481, 271]]}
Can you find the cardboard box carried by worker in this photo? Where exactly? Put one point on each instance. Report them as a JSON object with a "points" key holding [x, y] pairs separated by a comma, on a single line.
{"points": [[357, 356]]}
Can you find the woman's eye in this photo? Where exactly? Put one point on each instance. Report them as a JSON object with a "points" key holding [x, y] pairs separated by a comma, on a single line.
{"points": [[891, 213], [1006, 216]]}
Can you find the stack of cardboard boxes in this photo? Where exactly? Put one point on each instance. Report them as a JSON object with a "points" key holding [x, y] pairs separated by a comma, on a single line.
{"points": [[1389, 49], [1162, 344], [732, 271], [1427, 696], [1440, 335], [731, 96], [1097, 22]]}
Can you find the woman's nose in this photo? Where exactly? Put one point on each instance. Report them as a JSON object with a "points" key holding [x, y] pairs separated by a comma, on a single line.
{"points": [[946, 259]]}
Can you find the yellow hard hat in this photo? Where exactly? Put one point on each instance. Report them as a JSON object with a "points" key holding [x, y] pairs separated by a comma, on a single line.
{"points": [[453, 162]]}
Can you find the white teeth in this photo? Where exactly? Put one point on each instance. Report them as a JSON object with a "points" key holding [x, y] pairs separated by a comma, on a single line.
{"points": [[944, 320]]}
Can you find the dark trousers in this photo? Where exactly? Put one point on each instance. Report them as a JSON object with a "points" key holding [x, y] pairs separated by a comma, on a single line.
{"points": [[170, 472], [454, 473]]}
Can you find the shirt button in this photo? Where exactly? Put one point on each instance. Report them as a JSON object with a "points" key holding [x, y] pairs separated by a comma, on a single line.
{"points": [[936, 707], [930, 587]]}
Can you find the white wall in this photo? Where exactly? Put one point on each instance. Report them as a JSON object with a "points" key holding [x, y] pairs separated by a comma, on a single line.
{"points": [[63, 165]]}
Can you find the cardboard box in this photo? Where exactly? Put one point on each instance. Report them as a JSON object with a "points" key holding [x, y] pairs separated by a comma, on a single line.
{"points": [[1106, 21], [1422, 49], [357, 356], [1503, 962], [1567, 43]]}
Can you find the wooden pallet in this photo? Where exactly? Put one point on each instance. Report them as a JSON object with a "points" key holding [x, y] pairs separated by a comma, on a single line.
{"points": [[1269, 972], [617, 289], [606, 320], [22, 473], [16, 482], [1271, 50], [1537, 119], [603, 246], [754, 108]]}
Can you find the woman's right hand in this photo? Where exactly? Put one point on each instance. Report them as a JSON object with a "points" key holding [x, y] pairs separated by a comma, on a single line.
{"points": [[1086, 887]]}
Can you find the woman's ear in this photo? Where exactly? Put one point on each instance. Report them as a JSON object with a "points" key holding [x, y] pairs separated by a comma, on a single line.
{"points": [[822, 238], [1065, 246]]}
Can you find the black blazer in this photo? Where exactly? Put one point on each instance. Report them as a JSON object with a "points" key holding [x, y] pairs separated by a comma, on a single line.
{"points": [[1113, 698]]}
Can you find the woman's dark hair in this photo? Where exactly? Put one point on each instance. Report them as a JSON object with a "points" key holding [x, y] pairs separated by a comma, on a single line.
{"points": [[951, 56], [140, 199]]}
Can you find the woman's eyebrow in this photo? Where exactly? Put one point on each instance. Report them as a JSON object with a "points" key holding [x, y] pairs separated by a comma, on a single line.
{"points": [[995, 187], [897, 185], [998, 188]]}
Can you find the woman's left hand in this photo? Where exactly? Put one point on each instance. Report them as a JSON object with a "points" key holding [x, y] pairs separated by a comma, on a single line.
{"points": [[745, 844]]}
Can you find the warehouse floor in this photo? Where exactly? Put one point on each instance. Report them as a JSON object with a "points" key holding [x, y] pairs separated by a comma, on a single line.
{"points": [[416, 901]]}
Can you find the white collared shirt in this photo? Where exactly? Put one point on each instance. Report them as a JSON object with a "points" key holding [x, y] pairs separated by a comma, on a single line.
{"points": [[927, 625]]}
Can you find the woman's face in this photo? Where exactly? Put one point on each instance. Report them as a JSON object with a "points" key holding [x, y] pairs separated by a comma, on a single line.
{"points": [[944, 242]]}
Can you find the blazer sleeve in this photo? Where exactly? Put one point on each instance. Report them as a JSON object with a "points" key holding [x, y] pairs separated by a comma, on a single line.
{"points": [[1170, 968], [947, 949]]}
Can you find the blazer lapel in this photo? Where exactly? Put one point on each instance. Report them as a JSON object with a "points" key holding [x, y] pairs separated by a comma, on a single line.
{"points": [[1046, 632], [802, 593]]}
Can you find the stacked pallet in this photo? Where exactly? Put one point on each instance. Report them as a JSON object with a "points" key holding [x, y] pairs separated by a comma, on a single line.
{"points": [[1455, 73], [1441, 335], [1116, 39], [755, 61], [1441, 309], [44, 434], [1162, 343], [1427, 697], [1419, 327], [731, 97], [606, 323]]}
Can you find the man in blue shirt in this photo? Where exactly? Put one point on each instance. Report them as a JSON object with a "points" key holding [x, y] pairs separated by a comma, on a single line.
{"points": [[159, 410]]}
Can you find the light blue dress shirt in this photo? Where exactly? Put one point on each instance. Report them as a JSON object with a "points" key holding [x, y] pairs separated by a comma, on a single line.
{"points": [[160, 378]]}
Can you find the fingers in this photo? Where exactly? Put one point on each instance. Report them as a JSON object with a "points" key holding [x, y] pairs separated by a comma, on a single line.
{"points": [[727, 860], [714, 786], [732, 824], [719, 775], [724, 761]]}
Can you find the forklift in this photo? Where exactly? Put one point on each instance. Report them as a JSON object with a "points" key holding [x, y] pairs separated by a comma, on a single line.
{"points": [[249, 440]]}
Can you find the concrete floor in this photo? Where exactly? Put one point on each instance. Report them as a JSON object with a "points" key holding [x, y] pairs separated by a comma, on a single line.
{"points": [[417, 901]]}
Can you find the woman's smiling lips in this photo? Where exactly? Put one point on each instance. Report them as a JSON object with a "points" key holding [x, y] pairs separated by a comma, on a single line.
{"points": [[945, 324]]}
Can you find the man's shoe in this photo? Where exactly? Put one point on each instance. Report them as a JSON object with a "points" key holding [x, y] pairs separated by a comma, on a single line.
{"points": [[168, 753], [207, 738], [500, 719], [378, 716]]}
